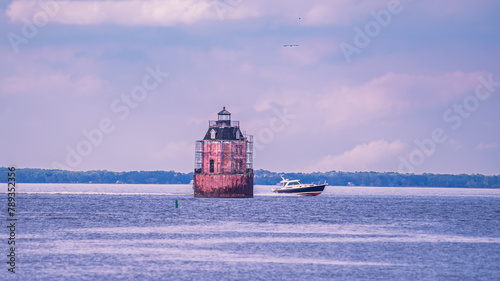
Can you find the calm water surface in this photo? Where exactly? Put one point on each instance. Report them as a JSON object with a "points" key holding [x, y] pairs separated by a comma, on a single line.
{"points": [[109, 232]]}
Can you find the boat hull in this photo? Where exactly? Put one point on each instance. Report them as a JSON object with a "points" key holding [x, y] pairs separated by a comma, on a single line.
{"points": [[304, 191]]}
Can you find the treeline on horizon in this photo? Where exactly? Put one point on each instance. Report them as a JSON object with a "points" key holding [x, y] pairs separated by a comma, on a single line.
{"points": [[262, 177]]}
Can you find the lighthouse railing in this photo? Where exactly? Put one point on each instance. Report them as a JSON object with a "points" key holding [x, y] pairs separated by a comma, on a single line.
{"points": [[249, 152], [198, 157], [215, 123]]}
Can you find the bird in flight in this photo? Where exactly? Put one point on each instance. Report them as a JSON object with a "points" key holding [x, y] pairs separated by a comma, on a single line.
{"points": [[290, 45]]}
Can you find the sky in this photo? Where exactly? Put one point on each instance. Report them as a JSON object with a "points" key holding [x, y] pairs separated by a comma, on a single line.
{"points": [[367, 85]]}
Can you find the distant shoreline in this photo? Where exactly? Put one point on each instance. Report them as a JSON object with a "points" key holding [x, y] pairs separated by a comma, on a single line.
{"points": [[270, 185], [262, 177]]}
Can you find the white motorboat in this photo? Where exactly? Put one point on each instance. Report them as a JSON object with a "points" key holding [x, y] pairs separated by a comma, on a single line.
{"points": [[295, 187]]}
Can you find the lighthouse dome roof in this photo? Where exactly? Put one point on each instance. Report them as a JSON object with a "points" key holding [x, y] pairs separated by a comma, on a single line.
{"points": [[224, 133], [224, 112]]}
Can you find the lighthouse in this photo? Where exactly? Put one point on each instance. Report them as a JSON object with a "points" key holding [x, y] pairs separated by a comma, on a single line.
{"points": [[223, 160]]}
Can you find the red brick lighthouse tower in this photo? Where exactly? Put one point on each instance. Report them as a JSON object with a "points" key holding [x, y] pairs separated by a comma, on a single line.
{"points": [[223, 160]]}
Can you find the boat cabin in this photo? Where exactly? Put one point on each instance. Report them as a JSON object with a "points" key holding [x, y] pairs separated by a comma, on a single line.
{"points": [[291, 183]]}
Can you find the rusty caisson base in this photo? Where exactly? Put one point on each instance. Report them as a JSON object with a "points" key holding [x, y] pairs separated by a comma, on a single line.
{"points": [[223, 185]]}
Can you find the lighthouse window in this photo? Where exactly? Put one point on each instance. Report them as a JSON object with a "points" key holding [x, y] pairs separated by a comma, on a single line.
{"points": [[224, 117], [212, 166], [212, 134]]}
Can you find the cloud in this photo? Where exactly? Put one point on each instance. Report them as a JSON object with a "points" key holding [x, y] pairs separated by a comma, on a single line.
{"points": [[315, 12], [174, 149], [448, 9], [482, 146], [173, 12], [339, 12], [455, 145], [392, 94], [53, 82], [128, 13], [175, 155], [366, 156]]}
